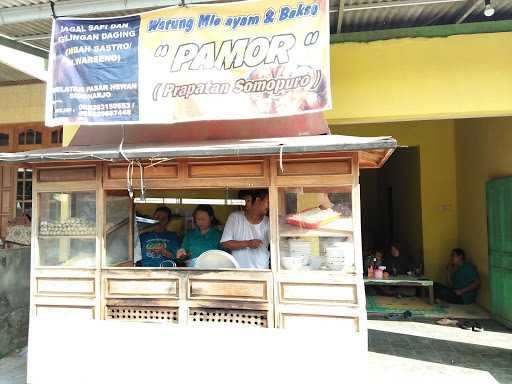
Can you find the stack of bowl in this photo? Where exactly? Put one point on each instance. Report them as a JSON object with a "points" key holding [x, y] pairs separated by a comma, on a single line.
{"points": [[299, 252]]}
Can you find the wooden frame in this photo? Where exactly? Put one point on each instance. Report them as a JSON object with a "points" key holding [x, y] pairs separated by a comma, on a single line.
{"points": [[269, 298]]}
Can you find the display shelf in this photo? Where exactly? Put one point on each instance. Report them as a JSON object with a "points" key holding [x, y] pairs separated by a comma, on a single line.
{"points": [[84, 237], [341, 227]]}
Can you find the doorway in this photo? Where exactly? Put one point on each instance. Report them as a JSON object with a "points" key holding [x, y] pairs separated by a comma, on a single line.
{"points": [[391, 206]]}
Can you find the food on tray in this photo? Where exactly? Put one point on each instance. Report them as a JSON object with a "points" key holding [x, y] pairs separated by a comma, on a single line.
{"points": [[73, 226], [313, 218]]}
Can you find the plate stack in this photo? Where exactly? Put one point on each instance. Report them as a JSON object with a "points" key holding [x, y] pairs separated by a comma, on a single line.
{"points": [[336, 256], [299, 252]]}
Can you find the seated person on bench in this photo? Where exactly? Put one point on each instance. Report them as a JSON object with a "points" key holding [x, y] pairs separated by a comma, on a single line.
{"points": [[463, 281]]}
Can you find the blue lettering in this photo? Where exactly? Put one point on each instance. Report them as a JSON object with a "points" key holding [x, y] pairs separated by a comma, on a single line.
{"points": [[153, 25]]}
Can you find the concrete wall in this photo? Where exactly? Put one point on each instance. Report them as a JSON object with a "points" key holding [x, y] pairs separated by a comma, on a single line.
{"points": [[21, 104], [483, 148], [14, 298], [422, 78], [439, 213]]}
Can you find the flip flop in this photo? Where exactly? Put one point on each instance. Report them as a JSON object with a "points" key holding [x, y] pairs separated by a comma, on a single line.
{"points": [[477, 327], [466, 325]]}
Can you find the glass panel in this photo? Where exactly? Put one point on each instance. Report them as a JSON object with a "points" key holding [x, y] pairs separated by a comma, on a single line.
{"points": [[117, 230], [55, 137], [67, 228], [66, 251], [315, 229], [28, 190], [39, 138], [28, 208], [19, 190], [30, 136], [21, 138], [4, 139]]}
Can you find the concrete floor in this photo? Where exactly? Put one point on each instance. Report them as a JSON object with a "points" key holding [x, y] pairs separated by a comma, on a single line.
{"points": [[418, 350], [423, 351], [13, 368]]}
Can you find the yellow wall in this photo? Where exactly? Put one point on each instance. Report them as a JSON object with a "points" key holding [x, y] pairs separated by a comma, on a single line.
{"points": [[483, 153], [422, 78], [436, 141], [21, 104]]}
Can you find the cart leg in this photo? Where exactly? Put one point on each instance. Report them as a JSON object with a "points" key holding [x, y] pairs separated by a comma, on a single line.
{"points": [[431, 294]]}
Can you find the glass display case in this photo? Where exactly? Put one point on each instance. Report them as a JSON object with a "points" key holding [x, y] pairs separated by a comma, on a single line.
{"points": [[67, 229], [316, 229], [118, 236]]}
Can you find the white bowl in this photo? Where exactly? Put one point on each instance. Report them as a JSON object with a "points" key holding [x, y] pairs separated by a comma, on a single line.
{"points": [[292, 263]]}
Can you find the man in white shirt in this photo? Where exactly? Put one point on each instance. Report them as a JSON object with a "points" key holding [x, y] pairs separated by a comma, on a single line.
{"points": [[247, 233]]}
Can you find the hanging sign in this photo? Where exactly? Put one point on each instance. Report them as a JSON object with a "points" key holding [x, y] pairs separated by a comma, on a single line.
{"points": [[240, 60]]}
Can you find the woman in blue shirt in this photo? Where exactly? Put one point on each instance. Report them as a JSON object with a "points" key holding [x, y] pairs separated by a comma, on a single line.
{"points": [[204, 237]]}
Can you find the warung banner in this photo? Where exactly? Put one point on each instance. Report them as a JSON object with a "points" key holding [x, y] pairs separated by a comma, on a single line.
{"points": [[240, 60]]}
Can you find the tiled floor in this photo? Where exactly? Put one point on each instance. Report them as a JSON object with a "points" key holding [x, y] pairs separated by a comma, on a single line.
{"points": [[421, 349]]}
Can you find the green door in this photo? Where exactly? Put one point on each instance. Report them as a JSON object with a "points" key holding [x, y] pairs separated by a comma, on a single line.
{"points": [[499, 227]]}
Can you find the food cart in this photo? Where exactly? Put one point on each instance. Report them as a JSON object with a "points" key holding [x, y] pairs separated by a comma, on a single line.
{"points": [[81, 200]]}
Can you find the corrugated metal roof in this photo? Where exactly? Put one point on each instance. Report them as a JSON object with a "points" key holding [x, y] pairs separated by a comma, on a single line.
{"points": [[37, 32], [353, 20], [248, 147], [17, 3]]}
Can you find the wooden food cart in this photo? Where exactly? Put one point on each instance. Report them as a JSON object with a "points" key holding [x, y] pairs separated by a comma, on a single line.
{"points": [[80, 198]]}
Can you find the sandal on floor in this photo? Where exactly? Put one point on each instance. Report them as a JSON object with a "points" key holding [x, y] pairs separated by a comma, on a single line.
{"points": [[467, 325], [394, 316], [447, 321], [477, 327]]}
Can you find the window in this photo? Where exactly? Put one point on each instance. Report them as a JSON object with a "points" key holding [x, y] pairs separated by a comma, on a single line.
{"points": [[67, 229], [30, 137], [56, 136], [4, 139], [24, 191], [316, 229], [134, 239]]}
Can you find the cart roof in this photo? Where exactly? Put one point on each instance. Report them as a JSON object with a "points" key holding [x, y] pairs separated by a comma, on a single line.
{"points": [[378, 149]]}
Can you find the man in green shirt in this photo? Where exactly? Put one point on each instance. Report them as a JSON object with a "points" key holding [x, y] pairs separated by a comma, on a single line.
{"points": [[463, 281]]}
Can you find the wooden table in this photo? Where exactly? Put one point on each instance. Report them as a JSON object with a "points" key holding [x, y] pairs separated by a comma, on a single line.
{"points": [[405, 281]]}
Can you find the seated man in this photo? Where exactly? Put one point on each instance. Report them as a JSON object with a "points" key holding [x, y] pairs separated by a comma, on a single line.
{"points": [[246, 233], [463, 281], [159, 245]]}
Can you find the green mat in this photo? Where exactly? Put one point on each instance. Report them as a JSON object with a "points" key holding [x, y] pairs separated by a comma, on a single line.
{"points": [[417, 306]]}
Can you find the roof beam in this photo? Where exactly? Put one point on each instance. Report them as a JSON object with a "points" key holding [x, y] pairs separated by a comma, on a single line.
{"points": [[29, 13], [19, 46], [23, 60], [340, 16], [43, 36], [468, 9]]}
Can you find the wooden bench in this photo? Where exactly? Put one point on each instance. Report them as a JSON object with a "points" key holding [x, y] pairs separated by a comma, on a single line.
{"points": [[404, 281]]}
